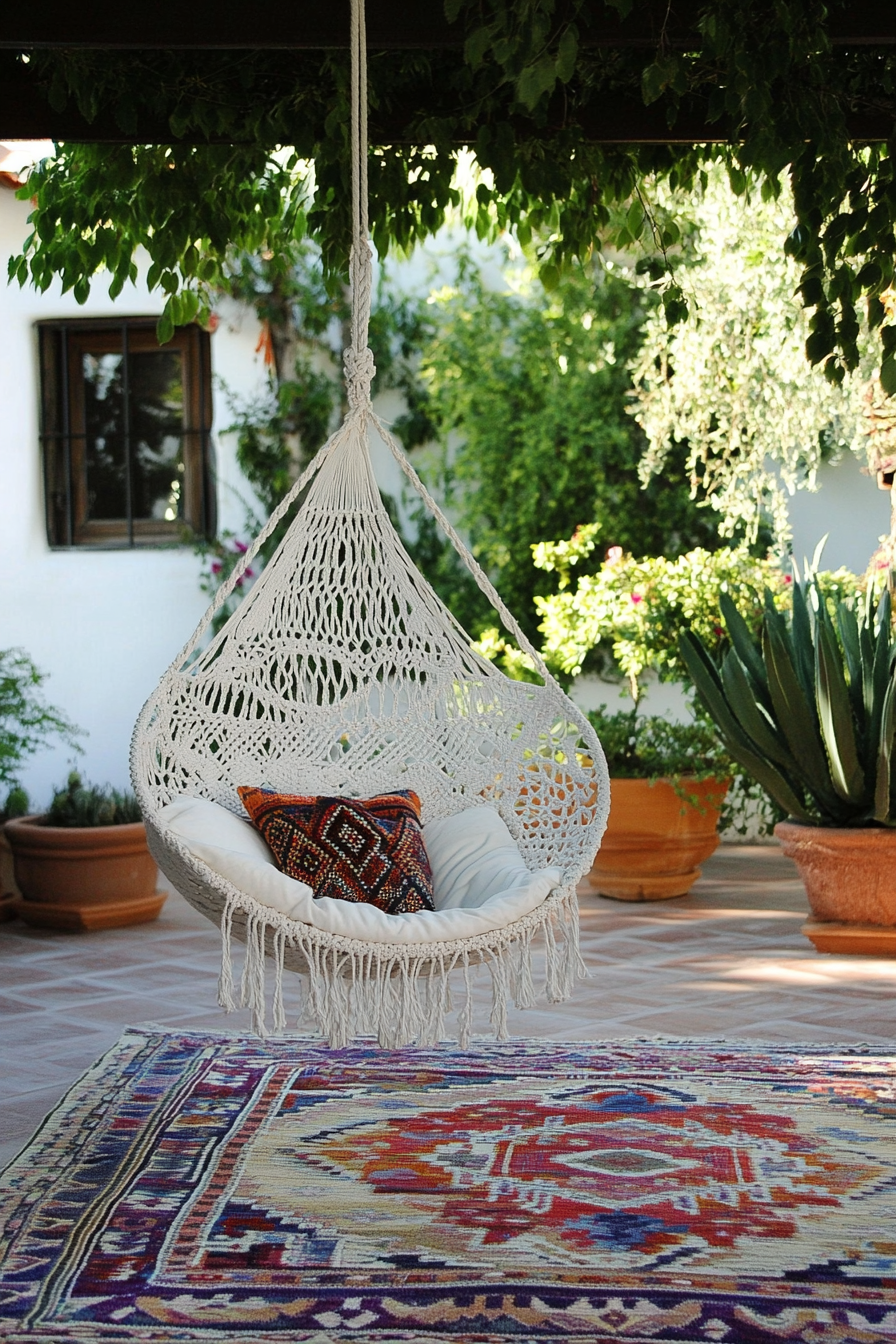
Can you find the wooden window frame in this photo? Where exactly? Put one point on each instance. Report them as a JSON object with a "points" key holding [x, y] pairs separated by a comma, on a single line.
{"points": [[64, 439]]}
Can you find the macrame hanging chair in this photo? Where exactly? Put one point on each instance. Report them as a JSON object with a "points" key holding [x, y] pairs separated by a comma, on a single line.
{"points": [[342, 673]]}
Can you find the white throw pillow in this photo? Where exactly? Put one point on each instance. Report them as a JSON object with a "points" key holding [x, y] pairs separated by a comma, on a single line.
{"points": [[473, 857], [481, 883]]}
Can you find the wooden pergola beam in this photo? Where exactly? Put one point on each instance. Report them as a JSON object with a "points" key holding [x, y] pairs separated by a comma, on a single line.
{"points": [[391, 24], [302, 25]]}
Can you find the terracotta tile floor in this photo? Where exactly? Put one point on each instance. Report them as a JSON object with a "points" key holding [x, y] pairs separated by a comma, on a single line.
{"points": [[726, 961]]}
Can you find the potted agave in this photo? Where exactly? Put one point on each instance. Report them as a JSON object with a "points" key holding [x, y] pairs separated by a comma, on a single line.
{"points": [[667, 785], [809, 710], [84, 864]]}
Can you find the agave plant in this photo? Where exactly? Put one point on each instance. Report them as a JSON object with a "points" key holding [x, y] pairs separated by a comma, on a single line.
{"points": [[810, 710]]}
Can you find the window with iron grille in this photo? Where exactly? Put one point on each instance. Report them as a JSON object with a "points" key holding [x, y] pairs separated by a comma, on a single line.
{"points": [[125, 432]]}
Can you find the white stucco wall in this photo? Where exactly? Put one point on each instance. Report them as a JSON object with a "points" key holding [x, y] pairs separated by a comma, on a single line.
{"points": [[102, 624], [849, 508]]}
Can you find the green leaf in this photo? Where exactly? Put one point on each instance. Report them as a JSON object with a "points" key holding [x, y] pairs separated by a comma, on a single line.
{"points": [[835, 716], [164, 328], [476, 45], [848, 627], [796, 718], [888, 375], [453, 9], [652, 83], [747, 650], [549, 276], [751, 718], [801, 638], [535, 81], [882, 790], [567, 52], [877, 675], [819, 345]]}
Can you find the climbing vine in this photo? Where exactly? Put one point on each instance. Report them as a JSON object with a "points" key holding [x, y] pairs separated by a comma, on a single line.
{"points": [[525, 93]]}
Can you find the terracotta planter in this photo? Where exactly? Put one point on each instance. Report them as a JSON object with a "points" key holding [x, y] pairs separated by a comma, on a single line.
{"points": [[77, 879], [850, 880], [655, 839], [8, 889]]}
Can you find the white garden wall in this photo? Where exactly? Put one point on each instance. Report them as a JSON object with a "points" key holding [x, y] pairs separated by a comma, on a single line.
{"points": [[102, 624]]}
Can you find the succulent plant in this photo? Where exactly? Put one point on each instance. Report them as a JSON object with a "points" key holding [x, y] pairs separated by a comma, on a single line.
{"points": [[810, 709], [80, 804]]}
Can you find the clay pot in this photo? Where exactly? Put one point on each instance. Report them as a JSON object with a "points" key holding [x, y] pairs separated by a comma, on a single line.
{"points": [[850, 880], [80, 878], [655, 838], [8, 889]]}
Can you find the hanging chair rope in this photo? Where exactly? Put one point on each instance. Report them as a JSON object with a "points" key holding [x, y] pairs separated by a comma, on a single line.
{"points": [[342, 672], [359, 366]]}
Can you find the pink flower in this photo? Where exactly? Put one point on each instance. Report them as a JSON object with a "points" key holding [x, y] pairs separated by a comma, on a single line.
{"points": [[240, 547], [614, 555], [248, 572], [217, 566], [636, 598], [788, 578]]}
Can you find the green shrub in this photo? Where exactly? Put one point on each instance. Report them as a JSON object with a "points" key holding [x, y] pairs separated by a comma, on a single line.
{"points": [[647, 745], [27, 722], [635, 610]]}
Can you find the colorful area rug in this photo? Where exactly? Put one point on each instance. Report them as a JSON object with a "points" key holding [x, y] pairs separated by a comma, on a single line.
{"points": [[204, 1188]]}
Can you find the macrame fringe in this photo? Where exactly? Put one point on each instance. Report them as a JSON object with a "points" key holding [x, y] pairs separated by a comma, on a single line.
{"points": [[397, 996]]}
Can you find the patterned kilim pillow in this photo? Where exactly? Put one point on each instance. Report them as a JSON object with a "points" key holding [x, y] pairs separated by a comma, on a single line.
{"points": [[355, 850]]}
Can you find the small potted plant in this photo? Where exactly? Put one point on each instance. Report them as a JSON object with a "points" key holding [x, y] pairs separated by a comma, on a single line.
{"points": [[667, 785], [809, 710], [84, 864], [27, 723]]}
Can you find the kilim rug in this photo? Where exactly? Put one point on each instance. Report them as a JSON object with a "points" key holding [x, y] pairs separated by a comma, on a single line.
{"points": [[204, 1188]]}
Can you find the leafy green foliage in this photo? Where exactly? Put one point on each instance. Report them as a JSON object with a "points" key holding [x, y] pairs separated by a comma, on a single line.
{"points": [[80, 804], [810, 709], [639, 746], [524, 95], [635, 609], [529, 397], [732, 388], [27, 722]]}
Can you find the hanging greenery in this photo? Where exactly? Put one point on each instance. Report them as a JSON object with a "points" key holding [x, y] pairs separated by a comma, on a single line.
{"points": [[732, 386], [525, 93]]}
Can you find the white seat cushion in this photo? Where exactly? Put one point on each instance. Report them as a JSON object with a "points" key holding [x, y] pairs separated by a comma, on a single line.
{"points": [[479, 878]]}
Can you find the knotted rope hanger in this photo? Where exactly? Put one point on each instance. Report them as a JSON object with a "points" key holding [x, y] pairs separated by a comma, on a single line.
{"points": [[358, 358]]}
